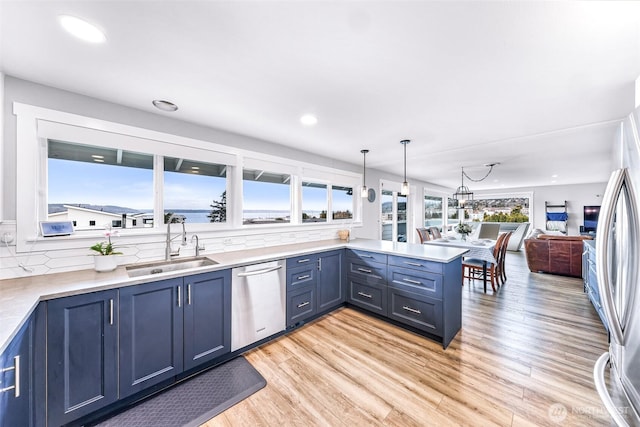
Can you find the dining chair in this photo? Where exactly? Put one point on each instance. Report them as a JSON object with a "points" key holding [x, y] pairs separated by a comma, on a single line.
{"points": [[474, 268], [488, 231], [435, 233], [502, 274], [423, 233]]}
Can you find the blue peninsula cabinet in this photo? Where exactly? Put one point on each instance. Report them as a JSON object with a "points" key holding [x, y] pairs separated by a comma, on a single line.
{"points": [[171, 326], [82, 342], [424, 296]]}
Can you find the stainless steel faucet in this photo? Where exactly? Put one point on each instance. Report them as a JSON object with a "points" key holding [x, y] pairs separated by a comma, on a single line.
{"points": [[198, 247], [168, 253]]}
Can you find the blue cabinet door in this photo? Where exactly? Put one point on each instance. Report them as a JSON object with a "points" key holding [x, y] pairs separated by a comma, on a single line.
{"points": [[15, 380], [82, 335], [331, 287], [151, 324], [207, 317]]}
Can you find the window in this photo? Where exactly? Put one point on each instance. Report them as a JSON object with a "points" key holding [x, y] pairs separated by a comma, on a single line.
{"points": [[266, 197], [314, 202], [95, 182], [433, 211], [195, 190], [341, 202], [500, 208]]}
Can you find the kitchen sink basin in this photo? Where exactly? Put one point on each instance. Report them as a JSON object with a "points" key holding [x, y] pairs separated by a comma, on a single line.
{"points": [[136, 270]]}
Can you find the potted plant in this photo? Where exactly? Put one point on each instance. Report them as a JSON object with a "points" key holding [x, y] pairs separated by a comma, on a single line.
{"points": [[464, 230], [104, 261]]}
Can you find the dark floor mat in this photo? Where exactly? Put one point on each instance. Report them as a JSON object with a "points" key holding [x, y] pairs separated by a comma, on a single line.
{"points": [[196, 400]]}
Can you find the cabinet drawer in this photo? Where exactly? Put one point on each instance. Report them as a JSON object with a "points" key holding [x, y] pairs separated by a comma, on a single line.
{"points": [[367, 296], [419, 311], [300, 304], [415, 263], [302, 275], [417, 281], [366, 257], [310, 259], [368, 272]]}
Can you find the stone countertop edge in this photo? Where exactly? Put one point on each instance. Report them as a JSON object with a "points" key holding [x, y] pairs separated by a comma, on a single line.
{"points": [[20, 296]]}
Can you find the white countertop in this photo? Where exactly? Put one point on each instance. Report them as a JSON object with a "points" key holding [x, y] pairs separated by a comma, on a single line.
{"points": [[19, 297]]}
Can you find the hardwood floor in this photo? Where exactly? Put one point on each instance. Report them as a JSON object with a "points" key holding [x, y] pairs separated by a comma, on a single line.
{"points": [[524, 357]]}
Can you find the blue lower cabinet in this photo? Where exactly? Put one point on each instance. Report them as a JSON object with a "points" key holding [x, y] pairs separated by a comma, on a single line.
{"points": [[82, 342], [207, 317], [171, 326], [371, 297], [151, 323], [420, 311], [15, 380], [331, 290]]}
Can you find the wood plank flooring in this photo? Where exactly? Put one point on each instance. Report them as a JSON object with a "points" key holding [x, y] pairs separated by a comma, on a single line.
{"points": [[524, 357]]}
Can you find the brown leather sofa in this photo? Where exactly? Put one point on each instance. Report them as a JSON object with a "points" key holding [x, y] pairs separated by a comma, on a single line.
{"points": [[555, 254]]}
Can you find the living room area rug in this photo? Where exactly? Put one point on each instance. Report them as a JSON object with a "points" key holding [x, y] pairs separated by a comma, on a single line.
{"points": [[196, 400]]}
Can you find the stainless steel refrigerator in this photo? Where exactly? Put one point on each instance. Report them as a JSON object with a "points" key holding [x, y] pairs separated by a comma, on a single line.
{"points": [[618, 266]]}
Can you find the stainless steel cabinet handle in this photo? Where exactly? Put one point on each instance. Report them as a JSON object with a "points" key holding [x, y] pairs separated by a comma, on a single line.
{"points": [[366, 256], [189, 294], [263, 271], [365, 295], [415, 264], [300, 261], [319, 264], [412, 310], [306, 276], [111, 311], [16, 386], [415, 282], [364, 270], [304, 304], [179, 296]]}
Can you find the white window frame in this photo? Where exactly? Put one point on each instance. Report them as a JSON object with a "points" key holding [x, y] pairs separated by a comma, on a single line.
{"points": [[35, 125]]}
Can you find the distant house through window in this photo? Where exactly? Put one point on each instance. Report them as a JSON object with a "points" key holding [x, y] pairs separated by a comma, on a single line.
{"points": [[341, 202]]}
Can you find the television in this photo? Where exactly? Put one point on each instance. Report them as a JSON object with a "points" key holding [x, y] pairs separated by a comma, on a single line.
{"points": [[591, 214]]}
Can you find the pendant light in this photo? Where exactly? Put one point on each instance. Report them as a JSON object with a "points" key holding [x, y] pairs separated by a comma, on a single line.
{"points": [[404, 190], [463, 194], [365, 191]]}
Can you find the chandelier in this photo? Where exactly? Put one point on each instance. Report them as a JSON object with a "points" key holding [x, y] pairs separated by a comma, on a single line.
{"points": [[463, 194]]}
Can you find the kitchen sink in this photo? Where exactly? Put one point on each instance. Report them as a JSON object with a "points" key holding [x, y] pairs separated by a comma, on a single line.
{"points": [[136, 270]]}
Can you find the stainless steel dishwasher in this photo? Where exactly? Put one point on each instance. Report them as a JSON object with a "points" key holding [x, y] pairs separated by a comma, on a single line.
{"points": [[258, 302]]}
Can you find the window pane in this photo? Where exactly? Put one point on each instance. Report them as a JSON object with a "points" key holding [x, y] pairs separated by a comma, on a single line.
{"points": [[341, 202], [195, 191], [266, 197], [386, 206], [432, 211], [500, 209], [402, 218], [96, 187], [314, 202]]}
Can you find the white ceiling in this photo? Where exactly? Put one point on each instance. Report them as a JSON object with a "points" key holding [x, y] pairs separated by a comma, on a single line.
{"points": [[535, 86]]}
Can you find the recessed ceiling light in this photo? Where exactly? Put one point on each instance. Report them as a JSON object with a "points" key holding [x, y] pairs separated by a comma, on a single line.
{"points": [[98, 160], [195, 167], [97, 156], [309, 120], [165, 105], [82, 29], [555, 175]]}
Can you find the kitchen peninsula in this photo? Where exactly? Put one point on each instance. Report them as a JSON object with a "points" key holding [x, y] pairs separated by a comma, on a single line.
{"points": [[410, 285]]}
